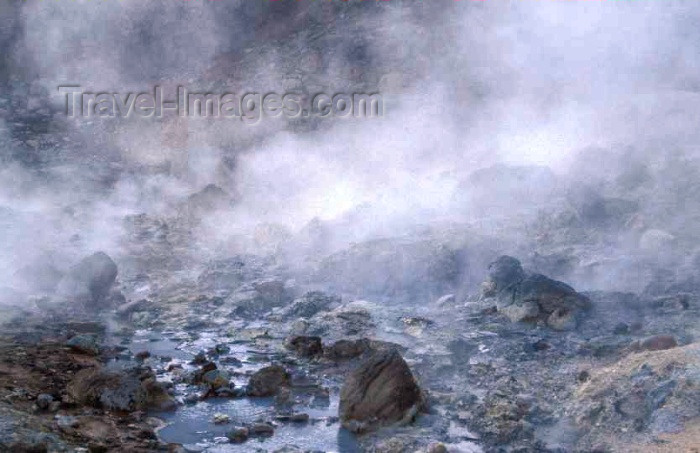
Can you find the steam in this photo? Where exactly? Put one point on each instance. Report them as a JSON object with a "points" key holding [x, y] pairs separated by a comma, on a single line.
{"points": [[467, 85]]}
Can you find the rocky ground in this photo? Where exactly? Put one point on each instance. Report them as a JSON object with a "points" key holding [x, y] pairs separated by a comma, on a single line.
{"points": [[249, 353]]}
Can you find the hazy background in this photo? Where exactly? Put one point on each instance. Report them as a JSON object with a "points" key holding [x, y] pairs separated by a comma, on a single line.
{"points": [[501, 117]]}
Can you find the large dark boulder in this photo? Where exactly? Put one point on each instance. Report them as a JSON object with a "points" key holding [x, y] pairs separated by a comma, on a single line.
{"points": [[523, 296], [89, 282], [381, 392]]}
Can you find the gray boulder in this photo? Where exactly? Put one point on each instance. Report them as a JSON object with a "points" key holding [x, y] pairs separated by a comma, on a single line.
{"points": [[528, 297]]}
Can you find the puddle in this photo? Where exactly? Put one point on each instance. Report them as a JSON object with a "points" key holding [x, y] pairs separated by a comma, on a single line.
{"points": [[192, 427]]}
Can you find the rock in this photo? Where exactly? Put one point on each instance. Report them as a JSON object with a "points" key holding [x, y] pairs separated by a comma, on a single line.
{"points": [[191, 398], [349, 319], [199, 359], [67, 422], [310, 304], [216, 379], [221, 419], [90, 281], [621, 328], [381, 392], [259, 297], [127, 390], [347, 349], [142, 355], [261, 430], [655, 343], [43, 401], [305, 346], [533, 297], [437, 447], [268, 381], [299, 418], [84, 344], [238, 435]]}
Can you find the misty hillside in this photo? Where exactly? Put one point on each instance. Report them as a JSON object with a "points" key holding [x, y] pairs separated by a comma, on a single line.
{"points": [[461, 226]]}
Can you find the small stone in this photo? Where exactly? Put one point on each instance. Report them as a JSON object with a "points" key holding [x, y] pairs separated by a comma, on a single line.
{"points": [[238, 435], [43, 401], [621, 328], [437, 447], [191, 398], [221, 419], [96, 447], [67, 422], [222, 349], [583, 376], [541, 345], [199, 359], [299, 418], [142, 355]]}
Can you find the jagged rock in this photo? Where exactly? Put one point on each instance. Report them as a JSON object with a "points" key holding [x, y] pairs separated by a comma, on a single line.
{"points": [[268, 381], [529, 297], [381, 392], [90, 281], [305, 346]]}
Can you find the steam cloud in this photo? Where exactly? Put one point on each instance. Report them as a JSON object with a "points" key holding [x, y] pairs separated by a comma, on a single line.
{"points": [[602, 94]]}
